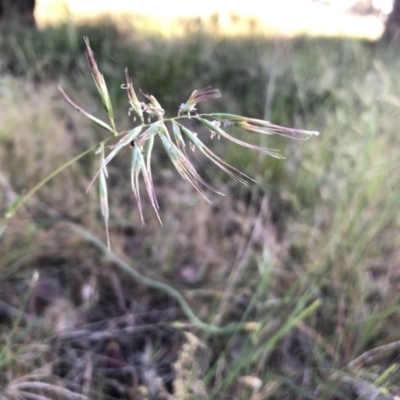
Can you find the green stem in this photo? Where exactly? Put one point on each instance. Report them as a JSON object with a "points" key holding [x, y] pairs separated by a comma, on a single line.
{"points": [[28, 195], [21, 201], [194, 320]]}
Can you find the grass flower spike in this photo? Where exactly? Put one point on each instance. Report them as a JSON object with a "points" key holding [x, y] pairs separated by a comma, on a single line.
{"points": [[100, 83], [136, 106], [153, 108], [198, 96], [141, 138], [262, 126]]}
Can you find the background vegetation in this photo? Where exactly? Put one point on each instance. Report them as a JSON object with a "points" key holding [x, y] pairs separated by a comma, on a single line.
{"points": [[322, 224]]}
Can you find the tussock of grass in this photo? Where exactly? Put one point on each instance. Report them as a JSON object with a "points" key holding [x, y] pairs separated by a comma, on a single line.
{"points": [[321, 225]]}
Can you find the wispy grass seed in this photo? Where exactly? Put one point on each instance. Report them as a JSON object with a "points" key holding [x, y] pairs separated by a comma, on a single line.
{"points": [[141, 138]]}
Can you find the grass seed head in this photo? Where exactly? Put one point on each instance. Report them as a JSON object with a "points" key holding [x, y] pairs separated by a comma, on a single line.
{"points": [[261, 126], [100, 82], [153, 108], [142, 143], [218, 131], [198, 96], [136, 106]]}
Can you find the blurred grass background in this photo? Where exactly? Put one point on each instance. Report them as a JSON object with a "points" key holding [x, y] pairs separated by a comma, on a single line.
{"points": [[322, 224]]}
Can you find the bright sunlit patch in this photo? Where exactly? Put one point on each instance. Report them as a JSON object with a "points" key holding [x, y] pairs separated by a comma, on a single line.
{"points": [[286, 17]]}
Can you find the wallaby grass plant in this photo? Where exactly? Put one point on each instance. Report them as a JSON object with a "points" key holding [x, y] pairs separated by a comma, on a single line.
{"points": [[141, 138]]}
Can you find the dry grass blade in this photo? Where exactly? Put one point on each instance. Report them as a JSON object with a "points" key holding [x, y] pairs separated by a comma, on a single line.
{"points": [[25, 388], [23, 395], [375, 356], [361, 388]]}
